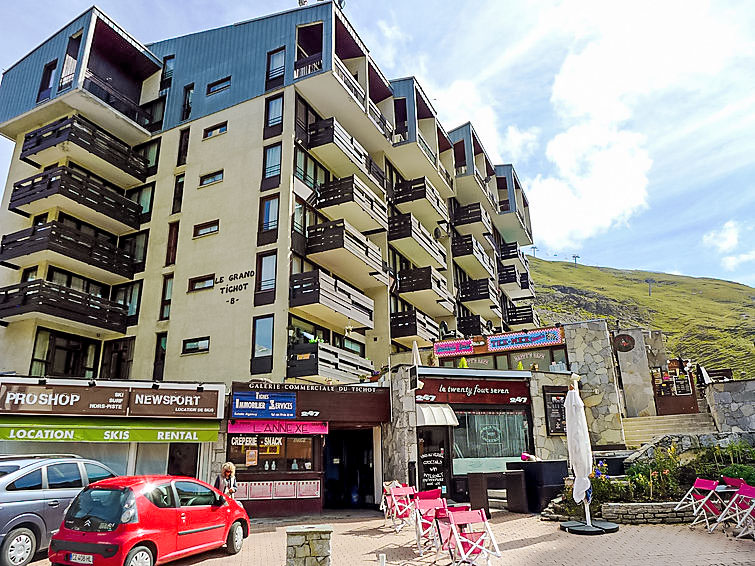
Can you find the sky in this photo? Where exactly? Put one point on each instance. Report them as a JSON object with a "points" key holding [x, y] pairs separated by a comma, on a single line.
{"points": [[631, 125]]}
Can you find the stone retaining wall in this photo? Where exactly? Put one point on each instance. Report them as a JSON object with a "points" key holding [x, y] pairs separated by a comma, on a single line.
{"points": [[732, 405], [688, 443], [642, 513], [308, 545]]}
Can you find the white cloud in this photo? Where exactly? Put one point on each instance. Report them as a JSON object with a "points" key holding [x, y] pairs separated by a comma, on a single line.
{"points": [[731, 262], [392, 38], [518, 145], [725, 239]]}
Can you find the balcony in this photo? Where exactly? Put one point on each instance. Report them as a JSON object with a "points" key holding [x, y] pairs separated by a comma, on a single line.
{"points": [[522, 317], [474, 326], [471, 187], [84, 196], [71, 249], [481, 296], [339, 247], [426, 289], [413, 326], [408, 236], [91, 146], [509, 280], [426, 149], [331, 143], [472, 219], [420, 198], [337, 304], [326, 363], [419, 160], [350, 198], [470, 255], [55, 304], [511, 254]]}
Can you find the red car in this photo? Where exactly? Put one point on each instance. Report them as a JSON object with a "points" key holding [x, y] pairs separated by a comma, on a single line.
{"points": [[147, 520]]}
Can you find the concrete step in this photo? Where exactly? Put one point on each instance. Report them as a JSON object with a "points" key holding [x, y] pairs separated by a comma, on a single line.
{"points": [[645, 421], [497, 493], [497, 503]]}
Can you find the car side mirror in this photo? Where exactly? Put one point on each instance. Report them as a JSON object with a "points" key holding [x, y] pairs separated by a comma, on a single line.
{"points": [[218, 501]]}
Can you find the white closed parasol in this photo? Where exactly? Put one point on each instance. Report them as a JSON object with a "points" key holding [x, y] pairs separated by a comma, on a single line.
{"points": [[578, 442]]}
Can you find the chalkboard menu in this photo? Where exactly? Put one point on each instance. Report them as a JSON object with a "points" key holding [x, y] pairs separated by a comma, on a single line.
{"points": [[433, 470], [555, 413]]}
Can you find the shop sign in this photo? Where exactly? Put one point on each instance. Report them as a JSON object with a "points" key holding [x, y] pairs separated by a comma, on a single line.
{"points": [[434, 467], [265, 386], [555, 411], [624, 342], [521, 340], [278, 427], [479, 391], [172, 403], [451, 348], [263, 405]]}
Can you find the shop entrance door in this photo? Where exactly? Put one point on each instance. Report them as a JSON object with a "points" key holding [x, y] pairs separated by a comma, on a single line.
{"points": [[349, 463], [183, 458]]}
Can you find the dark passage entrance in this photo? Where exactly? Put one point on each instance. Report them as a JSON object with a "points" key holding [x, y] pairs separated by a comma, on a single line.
{"points": [[349, 469], [182, 459]]}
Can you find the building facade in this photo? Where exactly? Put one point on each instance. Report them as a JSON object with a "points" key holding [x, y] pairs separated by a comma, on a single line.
{"points": [[256, 201]]}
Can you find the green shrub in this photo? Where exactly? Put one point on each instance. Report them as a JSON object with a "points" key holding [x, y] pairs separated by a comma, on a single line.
{"points": [[741, 471]]}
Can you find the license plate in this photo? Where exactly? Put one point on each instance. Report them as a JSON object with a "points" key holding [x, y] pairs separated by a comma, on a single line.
{"points": [[81, 558]]}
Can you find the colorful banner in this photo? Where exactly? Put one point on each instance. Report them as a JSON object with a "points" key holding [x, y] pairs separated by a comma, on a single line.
{"points": [[278, 427], [263, 405], [474, 391], [520, 340], [451, 348]]}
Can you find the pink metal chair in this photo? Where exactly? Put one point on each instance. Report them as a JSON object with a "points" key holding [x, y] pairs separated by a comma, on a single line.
{"points": [[429, 494], [704, 501], [385, 506], [472, 538], [740, 511], [402, 506], [443, 524], [733, 482], [424, 520]]}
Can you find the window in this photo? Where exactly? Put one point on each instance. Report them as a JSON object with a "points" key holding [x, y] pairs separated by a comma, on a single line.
{"points": [[153, 115], [183, 147], [129, 295], [136, 245], [210, 178], [45, 85], [63, 476], [117, 357], [96, 473], [30, 481], [218, 85], [276, 66], [196, 345], [266, 265], [215, 130], [39, 219], [76, 282], [280, 453], [80, 225], [143, 196], [161, 346], [483, 438], [172, 247], [308, 170], [305, 117], [262, 344], [162, 497], [206, 228], [166, 79], [271, 167], [151, 152], [273, 117], [300, 265], [69, 63], [192, 494], [29, 274], [64, 355], [166, 297], [267, 231], [202, 282], [178, 194], [188, 95]]}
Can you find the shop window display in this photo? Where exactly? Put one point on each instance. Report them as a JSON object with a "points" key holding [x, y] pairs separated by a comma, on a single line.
{"points": [[485, 441], [264, 453]]}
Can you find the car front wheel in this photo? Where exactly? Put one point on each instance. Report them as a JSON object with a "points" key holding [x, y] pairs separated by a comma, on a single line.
{"points": [[18, 548], [235, 538], [139, 556]]}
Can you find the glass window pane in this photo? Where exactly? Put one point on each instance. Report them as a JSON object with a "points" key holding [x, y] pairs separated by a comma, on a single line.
{"points": [[267, 272], [96, 473], [27, 482], [263, 336], [275, 111], [151, 458], [63, 476], [191, 494]]}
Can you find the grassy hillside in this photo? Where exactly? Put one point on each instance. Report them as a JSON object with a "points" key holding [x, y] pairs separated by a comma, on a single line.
{"points": [[708, 320]]}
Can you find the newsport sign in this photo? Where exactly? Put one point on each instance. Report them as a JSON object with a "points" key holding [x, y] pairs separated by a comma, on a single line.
{"points": [[107, 401]]}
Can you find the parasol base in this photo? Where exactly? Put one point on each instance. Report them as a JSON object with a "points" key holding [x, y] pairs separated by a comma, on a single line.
{"points": [[597, 528]]}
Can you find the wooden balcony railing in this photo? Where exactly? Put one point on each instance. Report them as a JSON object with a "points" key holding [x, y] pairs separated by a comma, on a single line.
{"points": [[507, 274], [401, 226], [426, 148], [479, 290], [414, 323], [423, 279], [421, 188], [82, 132], [473, 325], [316, 287], [351, 84], [520, 315], [117, 100], [339, 234], [380, 121], [81, 188], [49, 298], [65, 240], [471, 214], [351, 189], [308, 65], [325, 360], [468, 245], [509, 251]]}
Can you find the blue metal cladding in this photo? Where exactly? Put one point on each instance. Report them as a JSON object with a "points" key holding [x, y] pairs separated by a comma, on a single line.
{"points": [[464, 132], [507, 171], [239, 51], [20, 83], [404, 88]]}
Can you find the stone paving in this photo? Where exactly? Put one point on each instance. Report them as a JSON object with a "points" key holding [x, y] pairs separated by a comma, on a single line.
{"points": [[359, 537]]}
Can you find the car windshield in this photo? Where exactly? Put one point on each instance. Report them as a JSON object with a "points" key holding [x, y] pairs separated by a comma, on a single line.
{"points": [[7, 470], [97, 509]]}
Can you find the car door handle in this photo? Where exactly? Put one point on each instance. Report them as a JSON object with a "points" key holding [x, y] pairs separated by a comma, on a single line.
{"points": [[53, 503]]}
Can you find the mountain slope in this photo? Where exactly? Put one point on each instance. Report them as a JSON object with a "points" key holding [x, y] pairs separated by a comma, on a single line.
{"points": [[708, 320]]}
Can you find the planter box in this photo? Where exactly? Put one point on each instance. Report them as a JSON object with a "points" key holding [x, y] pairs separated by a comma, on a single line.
{"points": [[642, 513]]}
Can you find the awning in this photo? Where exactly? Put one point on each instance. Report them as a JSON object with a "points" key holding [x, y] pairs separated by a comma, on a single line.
{"points": [[87, 429], [436, 415]]}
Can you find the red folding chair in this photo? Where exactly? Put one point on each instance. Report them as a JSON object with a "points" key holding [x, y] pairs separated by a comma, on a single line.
{"points": [[740, 511], [472, 538], [708, 509], [385, 505], [443, 525], [402, 506], [700, 487], [429, 494], [424, 521], [733, 482]]}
